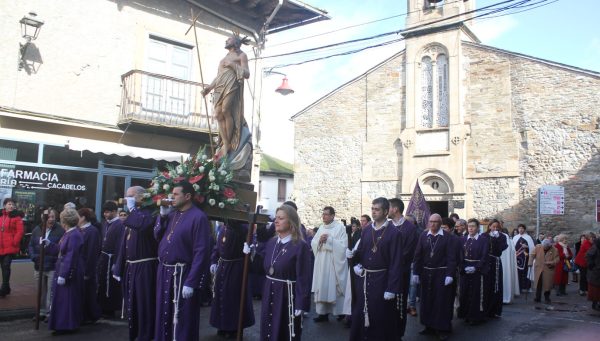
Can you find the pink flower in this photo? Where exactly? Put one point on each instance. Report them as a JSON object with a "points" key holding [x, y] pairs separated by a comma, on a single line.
{"points": [[195, 179], [229, 193]]}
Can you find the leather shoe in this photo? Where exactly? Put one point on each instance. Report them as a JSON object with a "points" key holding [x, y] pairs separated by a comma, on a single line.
{"points": [[412, 311], [427, 331], [321, 318], [443, 336]]}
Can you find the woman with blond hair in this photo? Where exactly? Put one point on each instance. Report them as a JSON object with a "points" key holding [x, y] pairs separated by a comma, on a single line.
{"points": [[67, 294], [561, 277], [286, 293]]}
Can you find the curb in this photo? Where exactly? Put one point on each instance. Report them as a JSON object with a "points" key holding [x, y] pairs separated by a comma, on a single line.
{"points": [[16, 314]]}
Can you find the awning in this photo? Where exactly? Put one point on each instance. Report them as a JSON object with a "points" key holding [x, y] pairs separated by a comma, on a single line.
{"points": [[113, 148]]}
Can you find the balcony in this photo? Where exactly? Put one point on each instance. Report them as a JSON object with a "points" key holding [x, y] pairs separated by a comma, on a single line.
{"points": [[162, 104]]}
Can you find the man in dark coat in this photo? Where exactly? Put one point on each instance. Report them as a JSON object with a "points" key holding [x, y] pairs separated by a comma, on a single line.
{"points": [[109, 290]]}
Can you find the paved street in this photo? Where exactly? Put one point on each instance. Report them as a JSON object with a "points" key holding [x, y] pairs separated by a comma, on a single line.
{"points": [[568, 318]]}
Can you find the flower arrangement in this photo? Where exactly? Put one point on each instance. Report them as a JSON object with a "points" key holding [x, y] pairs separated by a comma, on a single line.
{"points": [[211, 178]]}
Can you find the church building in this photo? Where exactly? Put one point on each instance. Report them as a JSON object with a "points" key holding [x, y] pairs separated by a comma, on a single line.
{"points": [[480, 129]]}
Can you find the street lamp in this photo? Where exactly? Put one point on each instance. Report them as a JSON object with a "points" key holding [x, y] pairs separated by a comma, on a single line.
{"points": [[284, 88], [30, 29]]}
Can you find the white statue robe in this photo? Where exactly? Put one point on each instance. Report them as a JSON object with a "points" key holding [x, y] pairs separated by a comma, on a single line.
{"points": [[510, 276], [330, 268]]}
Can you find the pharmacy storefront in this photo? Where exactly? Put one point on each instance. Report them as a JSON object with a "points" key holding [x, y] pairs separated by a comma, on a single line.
{"points": [[38, 175]]}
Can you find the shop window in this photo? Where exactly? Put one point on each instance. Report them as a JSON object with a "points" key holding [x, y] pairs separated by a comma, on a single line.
{"points": [[18, 151], [62, 156]]}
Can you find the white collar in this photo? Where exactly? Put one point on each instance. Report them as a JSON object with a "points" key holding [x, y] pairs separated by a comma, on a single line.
{"points": [[380, 227], [440, 232], [71, 229], [86, 225], [400, 221], [285, 239], [113, 220], [476, 237]]}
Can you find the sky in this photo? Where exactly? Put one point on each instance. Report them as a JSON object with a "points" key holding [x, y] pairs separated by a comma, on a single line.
{"points": [[564, 31]]}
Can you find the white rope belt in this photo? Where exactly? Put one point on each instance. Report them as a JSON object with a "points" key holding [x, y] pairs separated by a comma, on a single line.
{"points": [[496, 284], [141, 260], [366, 307], [176, 292], [290, 290], [440, 267], [107, 271]]}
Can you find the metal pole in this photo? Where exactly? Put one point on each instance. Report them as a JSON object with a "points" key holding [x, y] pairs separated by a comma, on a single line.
{"points": [[537, 211]]}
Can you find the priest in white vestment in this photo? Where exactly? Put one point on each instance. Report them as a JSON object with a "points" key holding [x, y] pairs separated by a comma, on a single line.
{"points": [[330, 268], [510, 276]]}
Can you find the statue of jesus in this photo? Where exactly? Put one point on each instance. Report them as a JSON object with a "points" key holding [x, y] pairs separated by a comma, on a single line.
{"points": [[228, 96]]}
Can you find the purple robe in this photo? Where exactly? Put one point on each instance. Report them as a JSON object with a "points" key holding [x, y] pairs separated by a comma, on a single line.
{"points": [[410, 236], [228, 255], [67, 304], [492, 288], [290, 262], [471, 284], [435, 259], [91, 253], [136, 265], [257, 273], [109, 290], [184, 253], [386, 264]]}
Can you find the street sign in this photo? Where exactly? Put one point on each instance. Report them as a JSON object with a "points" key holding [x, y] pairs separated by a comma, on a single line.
{"points": [[552, 200]]}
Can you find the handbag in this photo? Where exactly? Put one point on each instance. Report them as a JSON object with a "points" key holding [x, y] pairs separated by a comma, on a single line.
{"points": [[569, 266]]}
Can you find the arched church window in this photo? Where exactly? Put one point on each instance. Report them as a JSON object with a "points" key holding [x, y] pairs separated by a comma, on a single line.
{"points": [[442, 90], [426, 92]]}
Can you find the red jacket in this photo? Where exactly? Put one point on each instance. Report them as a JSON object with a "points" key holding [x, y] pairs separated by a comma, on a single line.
{"points": [[11, 232], [580, 258]]}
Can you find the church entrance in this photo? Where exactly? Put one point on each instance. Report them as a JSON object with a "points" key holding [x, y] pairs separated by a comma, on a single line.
{"points": [[439, 207]]}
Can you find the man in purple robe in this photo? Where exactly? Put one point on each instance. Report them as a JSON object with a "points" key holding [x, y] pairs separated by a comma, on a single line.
{"points": [[472, 270], [227, 265], [109, 290], [137, 261], [409, 242], [184, 253], [435, 268], [493, 286], [378, 260], [90, 253]]}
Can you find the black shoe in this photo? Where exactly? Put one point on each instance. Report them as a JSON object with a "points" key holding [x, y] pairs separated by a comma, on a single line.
{"points": [[321, 318], [427, 331]]}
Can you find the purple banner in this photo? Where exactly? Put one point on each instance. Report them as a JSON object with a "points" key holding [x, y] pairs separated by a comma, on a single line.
{"points": [[418, 207]]}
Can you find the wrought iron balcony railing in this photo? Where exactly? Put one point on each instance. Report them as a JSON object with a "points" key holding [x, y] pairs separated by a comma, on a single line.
{"points": [[158, 100]]}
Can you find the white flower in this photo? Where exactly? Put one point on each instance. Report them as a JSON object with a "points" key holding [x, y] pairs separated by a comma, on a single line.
{"points": [[222, 172], [211, 202], [229, 177], [221, 205], [179, 169], [216, 187], [196, 187], [204, 157], [166, 187], [201, 169], [146, 195], [211, 178]]}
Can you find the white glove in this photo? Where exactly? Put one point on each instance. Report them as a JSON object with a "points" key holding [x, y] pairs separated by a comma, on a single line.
{"points": [[358, 270], [297, 312], [388, 296], [448, 280], [60, 281], [165, 210], [130, 203], [246, 249], [414, 280], [349, 253], [44, 241], [117, 278], [470, 269], [213, 269], [187, 292]]}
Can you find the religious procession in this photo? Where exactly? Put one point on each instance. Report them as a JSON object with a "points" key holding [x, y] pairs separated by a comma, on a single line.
{"points": [[444, 192]]}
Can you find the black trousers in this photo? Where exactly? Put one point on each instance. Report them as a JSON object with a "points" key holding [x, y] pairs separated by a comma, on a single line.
{"points": [[583, 279], [5, 261]]}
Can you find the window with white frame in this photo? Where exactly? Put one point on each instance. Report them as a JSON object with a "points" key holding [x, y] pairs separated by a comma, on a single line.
{"points": [[434, 87]]}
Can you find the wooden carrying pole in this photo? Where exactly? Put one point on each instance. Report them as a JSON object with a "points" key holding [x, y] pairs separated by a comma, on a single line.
{"points": [[210, 133], [41, 271], [252, 220]]}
